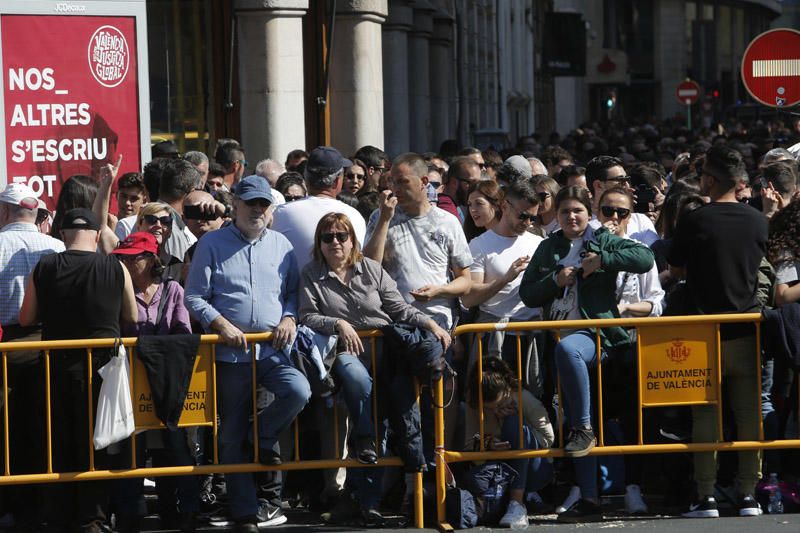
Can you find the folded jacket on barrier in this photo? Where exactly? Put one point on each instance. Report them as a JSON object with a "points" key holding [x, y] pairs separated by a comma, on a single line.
{"points": [[169, 361], [408, 352]]}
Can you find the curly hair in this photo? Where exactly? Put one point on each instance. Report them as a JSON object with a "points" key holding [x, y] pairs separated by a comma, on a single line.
{"points": [[784, 234]]}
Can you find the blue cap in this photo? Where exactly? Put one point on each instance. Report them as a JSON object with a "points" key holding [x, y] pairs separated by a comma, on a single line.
{"points": [[327, 157], [254, 187]]}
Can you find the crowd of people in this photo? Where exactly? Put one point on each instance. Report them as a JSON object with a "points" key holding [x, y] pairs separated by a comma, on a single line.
{"points": [[636, 222]]}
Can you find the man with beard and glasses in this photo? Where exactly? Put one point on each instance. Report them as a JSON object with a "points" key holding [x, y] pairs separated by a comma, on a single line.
{"points": [[463, 173]]}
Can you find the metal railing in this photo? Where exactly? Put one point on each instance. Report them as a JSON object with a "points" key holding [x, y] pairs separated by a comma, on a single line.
{"points": [[208, 418], [651, 335]]}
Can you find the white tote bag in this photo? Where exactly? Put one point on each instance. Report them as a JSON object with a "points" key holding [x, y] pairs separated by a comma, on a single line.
{"points": [[114, 407]]}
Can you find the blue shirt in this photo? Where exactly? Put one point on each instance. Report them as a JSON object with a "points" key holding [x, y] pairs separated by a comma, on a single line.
{"points": [[21, 247], [252, 284]]}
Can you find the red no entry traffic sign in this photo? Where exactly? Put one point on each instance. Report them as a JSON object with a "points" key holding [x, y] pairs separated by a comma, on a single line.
{"points": [[771, 68], [687, 92]]}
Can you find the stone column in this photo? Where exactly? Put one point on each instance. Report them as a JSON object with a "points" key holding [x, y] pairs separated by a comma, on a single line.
{"points": [[270, 46], [395, 78], [419, 81], [357, 75], [442, 80]]}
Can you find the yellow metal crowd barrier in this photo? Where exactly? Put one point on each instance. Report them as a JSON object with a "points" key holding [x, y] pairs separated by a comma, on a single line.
{"points": [[678, 363], [200, 409]]}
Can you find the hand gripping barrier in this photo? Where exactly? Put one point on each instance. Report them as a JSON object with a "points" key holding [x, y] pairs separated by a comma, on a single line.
{"points": [[202, 411], [679, 362]]}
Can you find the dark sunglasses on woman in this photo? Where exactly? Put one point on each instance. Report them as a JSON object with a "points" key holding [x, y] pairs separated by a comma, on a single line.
{"points": [[609, 211], [166, 220], [340, 236]]}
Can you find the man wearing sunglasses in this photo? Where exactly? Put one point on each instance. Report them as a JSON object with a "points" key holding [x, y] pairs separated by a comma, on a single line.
{"points": [[604, 172], [244, 279], [499, 257]]}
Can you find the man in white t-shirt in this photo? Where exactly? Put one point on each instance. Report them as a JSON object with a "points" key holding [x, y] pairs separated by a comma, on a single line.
{"points": [[418, 244], [605, 171], [298, 220], [499, 257]]}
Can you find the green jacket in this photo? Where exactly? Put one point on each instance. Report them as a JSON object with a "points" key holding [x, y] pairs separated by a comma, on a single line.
{"points": [[597, 296]]}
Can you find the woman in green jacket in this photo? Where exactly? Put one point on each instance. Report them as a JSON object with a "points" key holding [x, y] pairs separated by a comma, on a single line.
{"points": [[572, 275]]}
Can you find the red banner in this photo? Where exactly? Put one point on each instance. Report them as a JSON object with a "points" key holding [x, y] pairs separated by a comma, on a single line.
{"points": [[70, 98]]}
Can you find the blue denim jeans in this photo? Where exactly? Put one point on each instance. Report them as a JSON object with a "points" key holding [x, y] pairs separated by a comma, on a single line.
{"points": [[234, 389], [575, 355], [356, 386], [533, 474]]}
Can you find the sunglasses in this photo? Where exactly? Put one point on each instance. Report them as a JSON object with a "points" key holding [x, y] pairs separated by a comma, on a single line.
{"points": [[260, 202], [166, 220], [522, 216], [609, 211], [340, 236], [292, 198], [435, 184], [620, 179], [543, 196]]}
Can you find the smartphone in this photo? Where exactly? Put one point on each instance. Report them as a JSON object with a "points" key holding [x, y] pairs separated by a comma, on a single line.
{"points": [[645, 195], [193, 212]]}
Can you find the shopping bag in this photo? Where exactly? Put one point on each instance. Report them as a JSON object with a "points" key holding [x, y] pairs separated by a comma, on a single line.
{"points": [[114, 408]]}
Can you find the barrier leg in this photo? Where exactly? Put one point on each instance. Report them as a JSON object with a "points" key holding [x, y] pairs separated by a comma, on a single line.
{"points": [[419, 512], [441, 478]]}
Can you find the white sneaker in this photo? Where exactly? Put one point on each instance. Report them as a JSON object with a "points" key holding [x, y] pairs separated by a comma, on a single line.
{"points": [[516, 516], [573, 496], [634, 504]]}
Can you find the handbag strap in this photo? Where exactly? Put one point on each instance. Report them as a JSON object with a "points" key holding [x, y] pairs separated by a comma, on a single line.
{"points": [[162, 303]]}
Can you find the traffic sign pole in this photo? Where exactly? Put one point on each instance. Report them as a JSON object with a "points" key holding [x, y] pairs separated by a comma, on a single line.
{"points": [[688, 92]]}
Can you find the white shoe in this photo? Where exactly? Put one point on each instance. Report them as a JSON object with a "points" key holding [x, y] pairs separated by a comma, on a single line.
{"points": [[573, 496], [516, 516], [634, 504]]}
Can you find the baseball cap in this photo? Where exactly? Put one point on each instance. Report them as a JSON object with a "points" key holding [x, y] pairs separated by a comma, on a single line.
{"points": [[80, 218], [137, 243], [327, 157], [253, 187], [166, 149], [21, 195]]}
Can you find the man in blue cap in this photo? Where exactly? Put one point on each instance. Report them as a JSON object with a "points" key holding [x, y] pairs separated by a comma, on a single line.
{"points": [[244, 279]]}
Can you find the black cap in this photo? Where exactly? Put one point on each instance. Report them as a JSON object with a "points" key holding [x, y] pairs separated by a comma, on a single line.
{"points": [[165, 149], [80, 218]]}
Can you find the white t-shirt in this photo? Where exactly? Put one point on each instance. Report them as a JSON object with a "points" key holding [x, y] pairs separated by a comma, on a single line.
{"points": [[420, 251], [493, 255], [640, 228], [125, 227], [298, 220]]}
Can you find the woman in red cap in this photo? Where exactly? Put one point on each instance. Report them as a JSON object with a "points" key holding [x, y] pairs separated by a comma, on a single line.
{"points": [[160, 312]]}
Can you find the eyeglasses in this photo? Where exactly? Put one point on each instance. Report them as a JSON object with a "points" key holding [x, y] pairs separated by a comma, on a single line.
{"points": [[543, 196], [435, 184], [260, 202], [340, 236], [482, 166], [609, 211], [289, 198], [620, 179], [166, 220]]}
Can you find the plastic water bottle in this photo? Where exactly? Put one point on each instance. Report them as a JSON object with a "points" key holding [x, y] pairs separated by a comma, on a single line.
{"points": [[775, 505]]}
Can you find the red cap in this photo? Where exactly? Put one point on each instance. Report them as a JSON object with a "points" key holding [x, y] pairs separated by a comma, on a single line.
{"points": [[137, 243]]}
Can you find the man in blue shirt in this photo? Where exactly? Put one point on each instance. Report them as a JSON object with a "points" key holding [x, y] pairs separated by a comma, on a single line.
{"points": [[243, 279]]}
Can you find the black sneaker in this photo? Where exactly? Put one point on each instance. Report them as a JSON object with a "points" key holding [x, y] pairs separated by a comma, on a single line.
{"points": [[269, 515], [579, 442], [365, 451], [371, 518], [582, 511], [704, 508], [246, 524], [749, 506]]}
